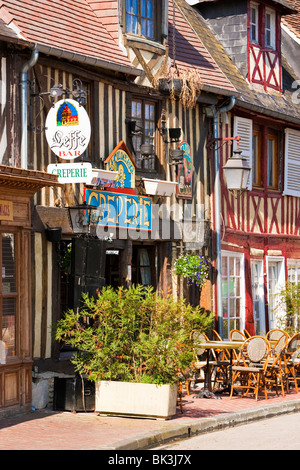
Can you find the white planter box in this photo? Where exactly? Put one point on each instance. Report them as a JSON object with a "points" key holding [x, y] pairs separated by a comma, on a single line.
{"points": [[104, 174], [159, 187], [136, 399]]}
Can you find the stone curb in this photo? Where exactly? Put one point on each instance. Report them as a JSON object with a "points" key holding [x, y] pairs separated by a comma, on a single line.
{"points": [[204, 425]]}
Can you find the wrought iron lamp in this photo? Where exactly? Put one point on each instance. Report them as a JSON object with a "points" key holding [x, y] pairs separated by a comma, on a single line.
{"points": [[81, 216], [237, 173]]}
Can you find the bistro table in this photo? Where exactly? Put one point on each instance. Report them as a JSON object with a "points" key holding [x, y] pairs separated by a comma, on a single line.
{"points": [[231, 345]]}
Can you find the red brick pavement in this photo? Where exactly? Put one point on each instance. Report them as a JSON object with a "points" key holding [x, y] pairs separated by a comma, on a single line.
{"points": [[50, 430]]}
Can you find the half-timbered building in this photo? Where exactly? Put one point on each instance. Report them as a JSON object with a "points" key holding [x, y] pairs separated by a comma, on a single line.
{"points": [[120, 59], [259, 228]]}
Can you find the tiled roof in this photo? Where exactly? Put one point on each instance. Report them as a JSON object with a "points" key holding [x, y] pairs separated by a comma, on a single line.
{"points": [[293, 21], [190, 53], [69, 25], [273, 104]]}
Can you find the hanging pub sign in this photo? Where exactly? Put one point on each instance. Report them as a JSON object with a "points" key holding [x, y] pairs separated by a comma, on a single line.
{"points": [[184, 172], [72, 172], [120, 160], [68, 129]]}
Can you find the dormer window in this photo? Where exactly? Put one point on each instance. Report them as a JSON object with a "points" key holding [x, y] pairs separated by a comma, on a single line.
{"points": [[140, 17], [270, 29], [264, 46], [254, 23]]}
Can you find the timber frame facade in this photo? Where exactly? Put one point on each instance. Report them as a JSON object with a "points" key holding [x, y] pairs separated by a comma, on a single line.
{"points": [[126, 61], [120, 72], [260, 227]]}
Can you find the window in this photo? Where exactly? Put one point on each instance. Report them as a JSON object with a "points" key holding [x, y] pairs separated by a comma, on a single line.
{"points": [[256, 157], [260, 146], [140, 17], [293, 266], [8, 296], [143, 266], [276, 277], [257, 280], [232, 292], [270, 29], [272, 161], [144, 113], [254, 23]]}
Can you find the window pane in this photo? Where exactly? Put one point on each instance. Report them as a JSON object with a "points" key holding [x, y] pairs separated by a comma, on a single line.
{"points": [[9, 325], [270, 162], [8, 264]]}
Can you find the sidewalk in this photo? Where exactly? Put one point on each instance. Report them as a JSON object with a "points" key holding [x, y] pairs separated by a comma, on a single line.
{"points": [[51, 430]]}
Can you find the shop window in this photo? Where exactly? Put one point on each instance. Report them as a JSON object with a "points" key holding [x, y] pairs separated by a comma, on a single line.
{"points": [[142, 266], [8, 294], [232, 292], [143, 112]]}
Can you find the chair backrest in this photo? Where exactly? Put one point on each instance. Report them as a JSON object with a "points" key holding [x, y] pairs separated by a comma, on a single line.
{"points": [[217, 337], [293, 343], [275, 334], [257, 348], [199, 339], [236, 335], [280, 344]]}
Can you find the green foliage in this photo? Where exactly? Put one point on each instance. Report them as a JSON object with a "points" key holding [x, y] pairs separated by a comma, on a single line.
{"points": [[132, 335], [289, 304], [192, 266]]}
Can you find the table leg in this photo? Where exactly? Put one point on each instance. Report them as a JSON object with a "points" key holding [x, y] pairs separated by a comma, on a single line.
{"points": [[206, 393]]}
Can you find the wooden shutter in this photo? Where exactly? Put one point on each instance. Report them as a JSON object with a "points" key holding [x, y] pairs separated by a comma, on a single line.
{"points": [[292, 163], [243, 128]]}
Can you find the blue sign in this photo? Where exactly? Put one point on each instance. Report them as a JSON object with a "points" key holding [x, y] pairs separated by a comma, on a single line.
{"points": [[120, 210]]}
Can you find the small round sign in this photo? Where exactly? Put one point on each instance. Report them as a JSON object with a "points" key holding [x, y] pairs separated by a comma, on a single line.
{"points": [[68, 129]]}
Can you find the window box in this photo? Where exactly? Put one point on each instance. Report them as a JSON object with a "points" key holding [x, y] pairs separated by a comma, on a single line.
{"points": [[157, 187]]}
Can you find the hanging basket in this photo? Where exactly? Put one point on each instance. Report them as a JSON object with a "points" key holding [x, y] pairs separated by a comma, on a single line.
{"points": [[166, 85]]}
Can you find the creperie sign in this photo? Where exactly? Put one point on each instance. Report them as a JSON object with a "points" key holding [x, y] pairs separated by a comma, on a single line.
{"points": [[68, 129]]}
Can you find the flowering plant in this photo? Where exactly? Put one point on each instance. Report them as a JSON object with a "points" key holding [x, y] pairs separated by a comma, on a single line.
{"points": [[193, 267]]}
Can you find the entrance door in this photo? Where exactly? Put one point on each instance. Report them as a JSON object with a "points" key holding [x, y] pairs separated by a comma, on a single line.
{"points": [[112, 268]]}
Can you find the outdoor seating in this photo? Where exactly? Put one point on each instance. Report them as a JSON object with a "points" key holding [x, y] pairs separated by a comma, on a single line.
{"points": [[236, 335], [222, 357], [275, 334], [292, 360], [246, 333], [249, 373], [275, 371]]}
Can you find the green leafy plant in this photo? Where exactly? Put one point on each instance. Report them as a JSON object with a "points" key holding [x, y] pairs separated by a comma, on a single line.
{"points": [[192, 266], [288, 308], [132, 335]]}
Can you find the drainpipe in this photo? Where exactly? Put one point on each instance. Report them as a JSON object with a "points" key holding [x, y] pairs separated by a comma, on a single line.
{"points": [[24, 113], [217, 207]]}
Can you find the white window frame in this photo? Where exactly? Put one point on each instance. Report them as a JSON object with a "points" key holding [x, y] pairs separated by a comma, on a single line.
{"points": [[272, 28], [292, 163], [274, 316], [254, 6], [240, 256], [260, 292]]}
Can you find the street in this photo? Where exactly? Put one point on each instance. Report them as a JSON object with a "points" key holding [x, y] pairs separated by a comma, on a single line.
{"points": [[278, 433]]}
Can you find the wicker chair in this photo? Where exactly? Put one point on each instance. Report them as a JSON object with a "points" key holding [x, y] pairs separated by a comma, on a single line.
{"points": [[222, 358], [292, 360], [275, 334], [236, 335], [275, 372], [249, 373]]}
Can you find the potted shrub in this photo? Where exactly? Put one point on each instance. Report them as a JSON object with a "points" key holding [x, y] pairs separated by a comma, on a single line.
{"points": [[128, 339]]}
